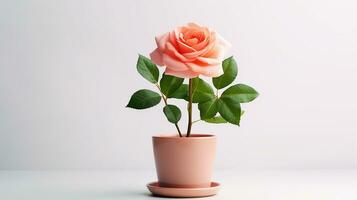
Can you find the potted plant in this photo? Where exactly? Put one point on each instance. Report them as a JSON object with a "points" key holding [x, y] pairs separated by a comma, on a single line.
{"points": [[184, 160]]}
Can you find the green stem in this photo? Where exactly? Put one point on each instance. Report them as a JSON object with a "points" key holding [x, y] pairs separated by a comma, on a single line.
{"points": [[165, 101], [189, 108]]}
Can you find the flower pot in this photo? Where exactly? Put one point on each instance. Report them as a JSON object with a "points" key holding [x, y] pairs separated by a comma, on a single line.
{"points": [[184, 162]]}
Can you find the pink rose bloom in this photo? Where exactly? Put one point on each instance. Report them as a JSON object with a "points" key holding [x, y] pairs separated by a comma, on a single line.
{"points": [[190, 51]]}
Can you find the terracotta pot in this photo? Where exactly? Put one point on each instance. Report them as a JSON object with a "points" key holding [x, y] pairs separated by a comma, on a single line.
{"points": [[184, 161]]}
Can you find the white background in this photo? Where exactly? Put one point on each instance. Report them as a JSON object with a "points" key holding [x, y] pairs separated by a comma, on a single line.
{"points": [[67, 70]]}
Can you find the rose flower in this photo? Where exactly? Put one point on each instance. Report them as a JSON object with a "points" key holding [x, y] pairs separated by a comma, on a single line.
{"points": [[189, 51]]}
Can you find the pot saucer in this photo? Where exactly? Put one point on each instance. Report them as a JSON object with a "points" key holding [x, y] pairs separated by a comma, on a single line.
{"points": [[157, 190]]}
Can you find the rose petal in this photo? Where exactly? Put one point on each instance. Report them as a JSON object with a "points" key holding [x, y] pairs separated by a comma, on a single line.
{"points": [[179, 32], [170, 48], [156, 57], [192, 42], [217, 53], [184, 48], [173, 38], [199, 53], [193, 25], [181, 74], [162, 40], [209, 61], [210, 70], [203, 43], [200, 45], [210, 45], [173, 64]]}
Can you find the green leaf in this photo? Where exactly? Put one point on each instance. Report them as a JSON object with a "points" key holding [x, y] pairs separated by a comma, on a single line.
{"points": [[230, 110], [230, 70], [180, 93], [208, 109], [201, 91], [147, 69], [142, 99], [216, 120], [173, 113], [219, 119], [169, 84], [240, 92]]}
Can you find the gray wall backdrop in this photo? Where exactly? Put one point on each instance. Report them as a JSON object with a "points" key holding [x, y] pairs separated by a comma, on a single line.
{"points": [[67, 70]]}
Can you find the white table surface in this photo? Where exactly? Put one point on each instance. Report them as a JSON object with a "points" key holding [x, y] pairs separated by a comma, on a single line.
{"points": [[130, 184]]}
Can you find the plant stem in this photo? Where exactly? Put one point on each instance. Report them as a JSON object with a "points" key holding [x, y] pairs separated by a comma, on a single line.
{"points": [[189, 108], [165, 101]]}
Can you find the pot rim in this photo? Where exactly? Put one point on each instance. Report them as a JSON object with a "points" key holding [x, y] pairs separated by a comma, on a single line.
{"points": [[192, 137]]}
